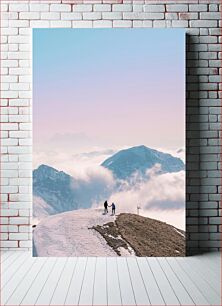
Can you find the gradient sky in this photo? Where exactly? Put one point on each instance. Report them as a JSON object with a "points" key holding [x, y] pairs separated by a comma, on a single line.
{"points": [[115, 87]]}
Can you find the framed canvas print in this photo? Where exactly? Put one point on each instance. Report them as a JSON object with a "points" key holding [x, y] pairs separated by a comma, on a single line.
{"points": [[109, 142]]}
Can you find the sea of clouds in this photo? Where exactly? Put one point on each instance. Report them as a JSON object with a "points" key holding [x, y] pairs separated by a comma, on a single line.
{"points": [[159, 195]]}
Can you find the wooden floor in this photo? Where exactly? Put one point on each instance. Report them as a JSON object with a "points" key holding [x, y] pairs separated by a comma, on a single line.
{"points": [[26, 280]]}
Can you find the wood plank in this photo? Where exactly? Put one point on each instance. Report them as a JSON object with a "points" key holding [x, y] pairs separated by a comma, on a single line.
{"points": [[47, 291], [188, 283], [180, 291], [165, 287], [208, 292], [14, 269], [212, 260], [23, 287], [4, 255], [62, 287], [139, 288], [113, 286], [153, 290], [75, 286], [126, 288], [10, 261], [206, 273], [37, 285], [17, 278], [86, 294], [100, 283]]}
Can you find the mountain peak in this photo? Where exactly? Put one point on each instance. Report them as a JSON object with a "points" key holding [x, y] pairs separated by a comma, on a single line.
{"points": [[140, 158]]}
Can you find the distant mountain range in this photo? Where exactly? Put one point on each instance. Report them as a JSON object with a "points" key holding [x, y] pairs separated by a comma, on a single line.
{"points": [[125, 162], [55, 191], [54, 188]]}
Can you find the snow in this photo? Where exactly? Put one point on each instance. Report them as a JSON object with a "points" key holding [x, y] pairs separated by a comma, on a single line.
{"points": [[181, 234], [68, 234]]}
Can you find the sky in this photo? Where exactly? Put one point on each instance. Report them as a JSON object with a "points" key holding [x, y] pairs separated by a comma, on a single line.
{"points": [[108, 88]]}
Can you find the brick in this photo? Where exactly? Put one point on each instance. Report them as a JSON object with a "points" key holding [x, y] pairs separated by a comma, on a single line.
{"points": [[9, 212], [215, 220], [213, 7], [37, 7], [19, 150], [9, 244], [9, 31], [203, 23], [177, 8], [9, 173], [4, 7], [9, 126], [4, 220], [9, 63], [215, 63], [25, 244], [154, 8], [122, 23], [82, 24], [9, 142], [8, 228], [135, 15], [122, 7], [18, 23], [24, 212], [18, 236], [13, 158], [137, 7], [197, 7], [19, 102], [20, 71], [180, 23], [71, 16], [208, 39], [60, 24], [92, 15], [187, 16], [215, 236], [13, 47], [60, 8], [29, 15], [19, 118], [112, 15], [19, 86], [102, 24], [215, 16], [24, 229], [19, 220], [50, 16], [171, 16], [102, 7], [18, 7], [82, 8]]}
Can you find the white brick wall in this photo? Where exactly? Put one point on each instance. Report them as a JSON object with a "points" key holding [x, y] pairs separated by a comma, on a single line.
{"points": [[200, 17]]}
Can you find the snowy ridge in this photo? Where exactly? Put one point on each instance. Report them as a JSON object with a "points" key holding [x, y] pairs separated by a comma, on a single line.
{"points": [[70, 234]]}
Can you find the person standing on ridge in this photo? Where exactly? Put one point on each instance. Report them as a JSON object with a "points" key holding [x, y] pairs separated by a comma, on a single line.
{"points": [[113, 209], [105, 207]]}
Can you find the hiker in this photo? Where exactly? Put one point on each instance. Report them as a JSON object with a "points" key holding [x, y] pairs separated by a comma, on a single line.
{"points": [[113, 209], [105, 207]]}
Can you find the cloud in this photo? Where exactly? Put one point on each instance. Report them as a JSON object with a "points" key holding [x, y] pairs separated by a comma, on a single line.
{"points": [[159, 191], [93, 186], [159, 196], [154, 191], [96, 153], [70, 161]]}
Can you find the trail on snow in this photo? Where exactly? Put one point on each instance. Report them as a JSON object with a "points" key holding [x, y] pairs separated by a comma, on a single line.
{"points": [[69, 234]]}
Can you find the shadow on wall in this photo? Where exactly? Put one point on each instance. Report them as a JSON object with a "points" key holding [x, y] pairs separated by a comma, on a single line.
{"points": [[195, 224]]}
